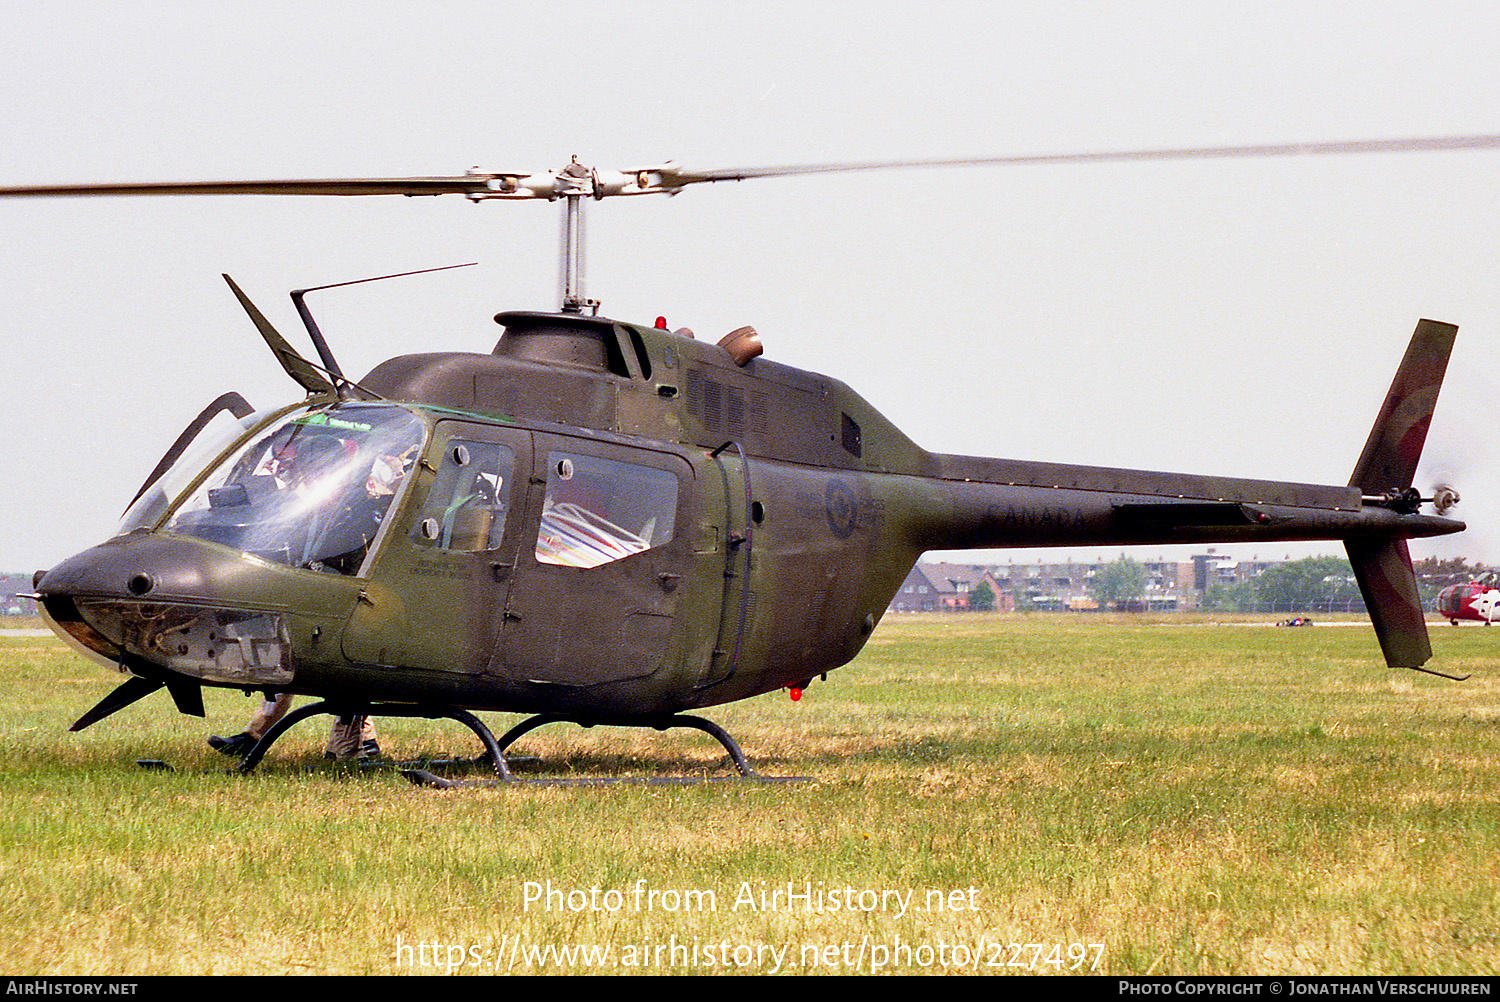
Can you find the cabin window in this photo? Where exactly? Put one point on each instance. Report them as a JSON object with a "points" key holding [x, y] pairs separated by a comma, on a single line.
{"points": [[466, 508], [601, 510]]}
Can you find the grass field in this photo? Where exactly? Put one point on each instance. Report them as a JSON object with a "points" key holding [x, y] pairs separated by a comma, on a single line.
{"points": [[1130, 795]]}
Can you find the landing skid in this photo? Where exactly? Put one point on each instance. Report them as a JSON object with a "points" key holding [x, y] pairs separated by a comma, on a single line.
{"points": [[494, 751], [473, 723], [741, 764]]}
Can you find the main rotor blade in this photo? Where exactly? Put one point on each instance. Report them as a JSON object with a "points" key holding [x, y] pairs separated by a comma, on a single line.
{"points": [[577, 181], [462, 185], [675, 176]]}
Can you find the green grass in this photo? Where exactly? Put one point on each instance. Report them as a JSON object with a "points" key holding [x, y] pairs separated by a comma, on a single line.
{"points": [[1197, 798]]}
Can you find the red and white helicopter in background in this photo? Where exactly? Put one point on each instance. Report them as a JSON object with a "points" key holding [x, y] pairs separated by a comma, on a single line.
{"points": [[1478, 599]]}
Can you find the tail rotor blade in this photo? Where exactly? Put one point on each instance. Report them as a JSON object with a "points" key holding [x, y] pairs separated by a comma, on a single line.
{"points": [[1444, 497]]}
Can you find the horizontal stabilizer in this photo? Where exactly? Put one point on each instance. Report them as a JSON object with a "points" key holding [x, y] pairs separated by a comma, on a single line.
{"points": [[1389, 587], [1176, 514]]}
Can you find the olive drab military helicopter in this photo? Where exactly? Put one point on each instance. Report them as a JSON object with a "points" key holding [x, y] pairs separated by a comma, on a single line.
{"points": [[606, 522]]}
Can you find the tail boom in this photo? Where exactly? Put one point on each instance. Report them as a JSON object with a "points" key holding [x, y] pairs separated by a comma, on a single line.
{"points": [[974, 514], [976, 503]]}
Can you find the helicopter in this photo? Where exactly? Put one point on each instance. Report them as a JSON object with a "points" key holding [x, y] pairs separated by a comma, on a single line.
{"points": [[612, 523], [1477, 600]]}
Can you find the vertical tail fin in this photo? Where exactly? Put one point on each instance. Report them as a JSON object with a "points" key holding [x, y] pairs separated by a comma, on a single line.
{"points": [[1387, 467], [1389, 461], [1389, 586]]}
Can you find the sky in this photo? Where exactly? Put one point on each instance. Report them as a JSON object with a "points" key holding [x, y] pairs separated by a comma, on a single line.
{"points": [[1228, 317]]}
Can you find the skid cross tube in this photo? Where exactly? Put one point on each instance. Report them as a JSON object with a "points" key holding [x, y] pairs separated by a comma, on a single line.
{"points": [[741, 763]]}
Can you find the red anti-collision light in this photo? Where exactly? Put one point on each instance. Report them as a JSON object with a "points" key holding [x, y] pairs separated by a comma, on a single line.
{"points": [[661, 323], [795, 693]]}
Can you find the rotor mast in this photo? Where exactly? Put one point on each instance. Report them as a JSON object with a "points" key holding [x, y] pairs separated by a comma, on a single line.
{"points": [[574, 183]]}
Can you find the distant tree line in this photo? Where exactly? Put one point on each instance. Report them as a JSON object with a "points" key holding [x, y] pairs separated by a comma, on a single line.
{"points": [[982, 598], [1325, 584], [1119, 583], [1316, 584]]}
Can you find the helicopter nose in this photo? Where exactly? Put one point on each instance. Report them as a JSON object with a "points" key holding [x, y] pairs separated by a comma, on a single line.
{"points": [[121, 569], [175, 602], [163, 568]]}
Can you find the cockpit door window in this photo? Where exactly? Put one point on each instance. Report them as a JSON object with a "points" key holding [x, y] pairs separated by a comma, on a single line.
{"points": [[467, 507]]}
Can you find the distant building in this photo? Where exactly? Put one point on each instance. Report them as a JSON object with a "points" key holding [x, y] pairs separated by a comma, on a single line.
{"points": [[946, 587], [12, 589], [1049, 586]]}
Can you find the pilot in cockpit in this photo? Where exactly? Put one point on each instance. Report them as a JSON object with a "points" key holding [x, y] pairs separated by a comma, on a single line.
{"points": [[316, 469]]}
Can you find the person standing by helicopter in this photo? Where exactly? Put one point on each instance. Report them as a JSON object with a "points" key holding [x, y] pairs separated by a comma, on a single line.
{"points": [[351, 737]]}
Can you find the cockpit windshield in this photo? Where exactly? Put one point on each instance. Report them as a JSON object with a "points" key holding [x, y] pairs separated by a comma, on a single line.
{"points": [[310, 490]]}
